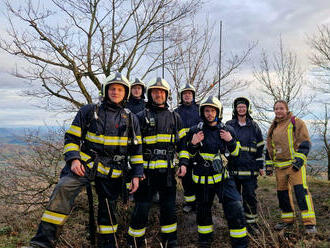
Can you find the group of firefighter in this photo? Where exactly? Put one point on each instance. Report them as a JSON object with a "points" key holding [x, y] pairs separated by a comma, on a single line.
{"points": [[127, 143]]}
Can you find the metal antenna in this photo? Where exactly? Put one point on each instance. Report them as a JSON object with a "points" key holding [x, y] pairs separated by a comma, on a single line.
{"points": [[220, 51]]}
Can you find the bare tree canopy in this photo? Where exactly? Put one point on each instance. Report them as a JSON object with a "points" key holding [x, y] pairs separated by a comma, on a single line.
{"points": [[320, 58], [193, 62], [68, 44], [279, 77]]}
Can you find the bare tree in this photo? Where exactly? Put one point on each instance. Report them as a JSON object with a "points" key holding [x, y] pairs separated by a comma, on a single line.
{"points": [[68, 44], [31, 172], [279, 77], [321, 125], [320, 58], [193, 62]]}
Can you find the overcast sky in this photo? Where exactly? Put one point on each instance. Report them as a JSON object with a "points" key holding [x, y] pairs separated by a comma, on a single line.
{"points": [[243, 22]]}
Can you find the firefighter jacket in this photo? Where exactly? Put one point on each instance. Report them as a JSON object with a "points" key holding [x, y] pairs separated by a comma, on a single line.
{"points": [[287, 139], [162, 136], [189, 115], [250, 158], [102, 138], [136, 105], [203, 154]]}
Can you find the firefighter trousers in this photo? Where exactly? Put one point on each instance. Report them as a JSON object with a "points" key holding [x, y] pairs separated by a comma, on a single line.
{"points": [[61, 203], [233, 210], [157, 182], [286, 179], [246, 186], [188, 188]]}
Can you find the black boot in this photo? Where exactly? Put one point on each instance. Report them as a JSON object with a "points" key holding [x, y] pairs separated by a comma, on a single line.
{"points": [[46, 235]]}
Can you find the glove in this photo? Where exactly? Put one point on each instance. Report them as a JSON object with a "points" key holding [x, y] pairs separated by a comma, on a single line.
{"points": [[269, 168], [297, 164]]}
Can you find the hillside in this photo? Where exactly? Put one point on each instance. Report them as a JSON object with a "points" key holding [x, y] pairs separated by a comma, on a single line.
{"points": [[17, 228]]}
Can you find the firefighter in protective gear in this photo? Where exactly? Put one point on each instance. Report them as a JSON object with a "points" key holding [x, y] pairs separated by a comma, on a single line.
{"points": [[188, 111], [288, 145], [249, 164], [162, 136], [97, 146], [206, 143], [136, 101]]}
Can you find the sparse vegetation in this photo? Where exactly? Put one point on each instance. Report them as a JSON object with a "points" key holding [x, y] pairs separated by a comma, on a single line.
{"points": [[16, 227]]}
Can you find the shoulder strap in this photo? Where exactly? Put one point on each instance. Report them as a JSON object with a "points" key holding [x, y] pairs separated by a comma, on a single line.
{"points": [[293, 121], [93, 114]]}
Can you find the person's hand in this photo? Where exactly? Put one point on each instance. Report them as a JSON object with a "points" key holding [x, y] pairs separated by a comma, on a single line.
{"points": [[261, 172], [297, 164], [134, 185], [225, 135], [77, 167], [269, 170], [182, 171], [197, 138]]}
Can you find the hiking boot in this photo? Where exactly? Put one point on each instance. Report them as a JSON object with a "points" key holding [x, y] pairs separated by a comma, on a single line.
{"points": [[282, 225], [310, 229]]}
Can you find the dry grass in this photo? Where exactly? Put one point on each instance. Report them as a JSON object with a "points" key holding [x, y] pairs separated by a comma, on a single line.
{"points": [[16, 229]]}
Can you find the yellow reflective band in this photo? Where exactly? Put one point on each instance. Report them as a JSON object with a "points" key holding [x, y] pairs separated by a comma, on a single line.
{"points": [[84, 156], [107, 229], [309, 203], [205, 229], [191, 198], [186, 129], [184, 154], [249, 221], [236, 151], [287, 215], [260, 159], [261, 143], [207, 156], [158, 138], [105, 171], [169, 228], [290, 138], [303, 175], [247, 173], [139, 139], [251, 216], [128, 185], [210, 179], [136, 159], [182, 133], [306, 215], [269, 162], [301, 155], [156, 164], [54, 218], [136, 232], [283, 164], [248, 149], [107, 140], [74, 130], [71, 147], [238, 233]]}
